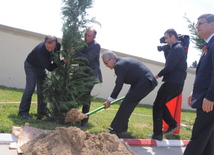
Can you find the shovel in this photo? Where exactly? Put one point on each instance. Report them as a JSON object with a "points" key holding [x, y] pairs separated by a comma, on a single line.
{"points": [[102, 107], [75, 115]]}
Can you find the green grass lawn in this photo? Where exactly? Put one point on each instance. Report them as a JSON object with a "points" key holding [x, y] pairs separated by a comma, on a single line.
{"points": [[140, 122]]}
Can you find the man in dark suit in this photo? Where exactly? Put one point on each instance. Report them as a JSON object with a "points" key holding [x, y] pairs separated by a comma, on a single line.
{"points": [[36, 63], [92, 54], [202, 97], [128, 71], [174, 75]]}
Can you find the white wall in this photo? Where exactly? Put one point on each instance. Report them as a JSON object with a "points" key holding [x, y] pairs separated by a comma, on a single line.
{"points": [[16, 44], [104, 90]]}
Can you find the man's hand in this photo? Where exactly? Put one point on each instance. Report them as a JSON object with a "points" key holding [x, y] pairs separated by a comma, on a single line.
{"points": [[65, 61], [207, 105], [190, 100], [107, 104], [156, 76]]}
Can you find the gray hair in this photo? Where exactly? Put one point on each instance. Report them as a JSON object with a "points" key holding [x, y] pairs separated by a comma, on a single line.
{"points": [[50, 39], [109, 54], [93, 30], [208, 17]]}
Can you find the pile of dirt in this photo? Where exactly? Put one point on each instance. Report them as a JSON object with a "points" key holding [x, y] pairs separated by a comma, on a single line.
{"points": [[74, 115], [73, 141]]}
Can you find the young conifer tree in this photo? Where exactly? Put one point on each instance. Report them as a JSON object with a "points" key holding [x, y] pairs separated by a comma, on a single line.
{"points": [[65, 88], [195, 39]]}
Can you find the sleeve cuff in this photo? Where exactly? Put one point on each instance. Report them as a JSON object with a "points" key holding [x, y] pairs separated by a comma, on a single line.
{"points": [[111, 99]]}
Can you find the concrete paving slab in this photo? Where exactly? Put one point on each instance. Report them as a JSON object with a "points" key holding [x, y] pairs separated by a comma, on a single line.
{"points": [[5, 150], [7, 138]]}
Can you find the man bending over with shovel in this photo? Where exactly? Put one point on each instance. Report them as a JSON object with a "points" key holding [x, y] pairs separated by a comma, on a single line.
{"points": [[128, 71]]}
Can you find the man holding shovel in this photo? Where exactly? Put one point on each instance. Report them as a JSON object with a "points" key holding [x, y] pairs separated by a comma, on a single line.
{"points": [[128, 71]]}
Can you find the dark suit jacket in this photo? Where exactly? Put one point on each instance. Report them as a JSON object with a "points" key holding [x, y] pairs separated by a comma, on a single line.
{"points": [[204, 80], [92, 54], [175, 66], [41, 58], [130, 71]]}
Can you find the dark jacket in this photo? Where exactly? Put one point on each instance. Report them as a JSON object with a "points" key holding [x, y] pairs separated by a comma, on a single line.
{"points": [[204, 80], [130, 71], [92, 54], [175, 66], [40, 57]]}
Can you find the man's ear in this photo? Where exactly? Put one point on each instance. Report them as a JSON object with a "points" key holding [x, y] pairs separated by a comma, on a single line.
{"points": [[212, 25], [172, 36]]}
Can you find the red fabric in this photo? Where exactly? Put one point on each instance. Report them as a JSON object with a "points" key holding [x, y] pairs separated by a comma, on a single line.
{"points": [[174, 107]]}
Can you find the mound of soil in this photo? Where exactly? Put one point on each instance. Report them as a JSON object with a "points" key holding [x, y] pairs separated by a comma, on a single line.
{"points": [[73, 141], [74, 115]]}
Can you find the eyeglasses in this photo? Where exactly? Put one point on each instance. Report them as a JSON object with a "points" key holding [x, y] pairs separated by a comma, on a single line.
{"points": [[200, 23], [106, 63]]}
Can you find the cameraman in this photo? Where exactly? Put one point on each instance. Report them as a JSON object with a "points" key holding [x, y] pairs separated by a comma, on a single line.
{"points": [[174, 75]]}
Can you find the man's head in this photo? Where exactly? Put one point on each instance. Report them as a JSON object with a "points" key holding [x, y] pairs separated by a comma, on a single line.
{"points": [[109, 58], [50, 42], [205, 25], [90, 35], [171, 36]]}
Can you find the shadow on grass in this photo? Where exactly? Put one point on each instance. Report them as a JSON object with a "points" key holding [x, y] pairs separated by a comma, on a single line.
{"points": [[127, 135], [43, 124], [173, 136], [13, 89], [46, 125], [19, 121]]}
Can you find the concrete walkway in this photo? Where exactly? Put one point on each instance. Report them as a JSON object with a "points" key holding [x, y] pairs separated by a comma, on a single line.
{"points": [[141, 150], [159, 150]]}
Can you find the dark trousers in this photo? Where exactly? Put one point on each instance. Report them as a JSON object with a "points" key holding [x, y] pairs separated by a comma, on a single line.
{"points": [[167, 92], [34, 78], [202, 140], [135, 94], [86, 108]]}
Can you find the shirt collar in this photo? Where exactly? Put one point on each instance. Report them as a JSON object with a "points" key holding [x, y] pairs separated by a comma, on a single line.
{"points": [[173, 44], [209, 38]]}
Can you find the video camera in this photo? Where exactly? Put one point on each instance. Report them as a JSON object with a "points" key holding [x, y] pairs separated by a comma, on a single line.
{"points": [[184, 39]]}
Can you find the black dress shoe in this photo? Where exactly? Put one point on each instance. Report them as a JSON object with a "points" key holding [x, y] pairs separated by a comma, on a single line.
{"points": [[116, 133], [39, 117], [157, 137], [25, 116], [43, 116], [171, 129]]}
